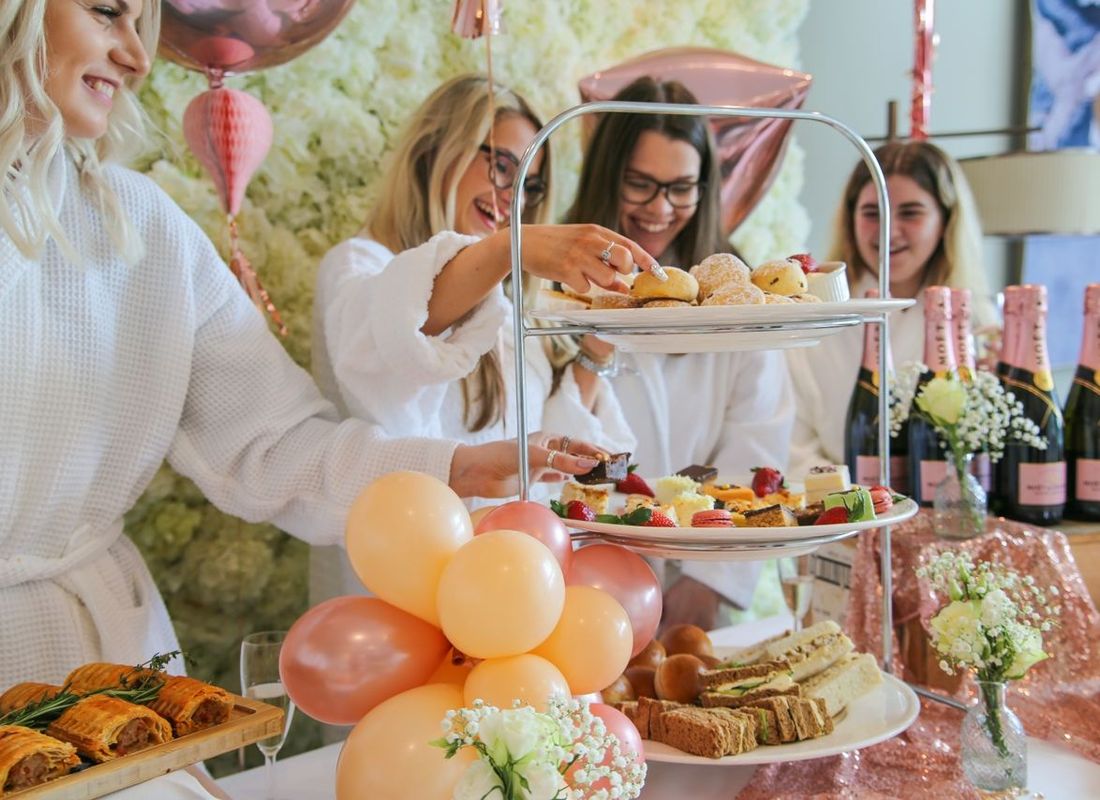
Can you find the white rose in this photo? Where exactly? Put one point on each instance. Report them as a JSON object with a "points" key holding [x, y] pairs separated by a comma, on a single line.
{"points": [[512, 733], [543, 781], [1029, 651], [943, 399], [957, 624], [477, 782]]}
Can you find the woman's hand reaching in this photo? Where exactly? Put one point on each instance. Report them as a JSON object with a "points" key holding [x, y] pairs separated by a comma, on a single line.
{"points": [[492, 470]]}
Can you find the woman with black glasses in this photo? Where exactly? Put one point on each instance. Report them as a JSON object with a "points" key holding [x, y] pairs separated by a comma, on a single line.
{"points": [[655, 179]]}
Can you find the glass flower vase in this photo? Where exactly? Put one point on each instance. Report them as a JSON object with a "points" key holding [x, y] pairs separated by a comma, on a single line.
{"points": [[959, 504], [994, 746]]}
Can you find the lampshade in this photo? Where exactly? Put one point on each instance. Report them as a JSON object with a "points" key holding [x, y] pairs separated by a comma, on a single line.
{"points": [[1052, 192]]}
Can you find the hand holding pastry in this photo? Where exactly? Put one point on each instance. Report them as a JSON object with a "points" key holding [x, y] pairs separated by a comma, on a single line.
{"points": [[492, 469], [581, 255]]}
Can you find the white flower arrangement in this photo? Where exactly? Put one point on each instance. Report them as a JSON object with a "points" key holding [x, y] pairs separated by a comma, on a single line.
{"points": [[993, 624], [972, 416], [525, 754]]}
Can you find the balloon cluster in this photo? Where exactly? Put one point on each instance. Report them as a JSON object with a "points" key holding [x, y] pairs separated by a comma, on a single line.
{"points": [[501, 611]]}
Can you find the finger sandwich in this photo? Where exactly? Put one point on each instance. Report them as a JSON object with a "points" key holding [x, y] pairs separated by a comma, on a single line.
{"points": [[735, 686]]}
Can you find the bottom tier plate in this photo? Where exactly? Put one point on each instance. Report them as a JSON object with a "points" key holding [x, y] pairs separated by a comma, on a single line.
{"points": [[873, 718], [694, 551]]}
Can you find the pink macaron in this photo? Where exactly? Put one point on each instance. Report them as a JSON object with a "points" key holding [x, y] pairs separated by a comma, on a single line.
{"points": [[715, 518], [882, 498]]}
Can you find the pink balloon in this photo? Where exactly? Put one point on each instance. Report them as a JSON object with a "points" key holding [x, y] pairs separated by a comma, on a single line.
{"points": [[626, 577], [749, 150], [630, 741], [235, 36], [348, 654], [230, 132], [535, 520]]}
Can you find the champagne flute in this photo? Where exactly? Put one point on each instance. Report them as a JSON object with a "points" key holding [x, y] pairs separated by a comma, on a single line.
{"points": [[796, 577], [260, 680]]}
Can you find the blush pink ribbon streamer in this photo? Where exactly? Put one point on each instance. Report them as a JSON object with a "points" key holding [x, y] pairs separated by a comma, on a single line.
{"points": [[1059, 700], [921, 105]]}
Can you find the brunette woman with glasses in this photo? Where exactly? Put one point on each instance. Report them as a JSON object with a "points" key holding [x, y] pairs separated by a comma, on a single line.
{"points": [[412, 317], [655, 179]]}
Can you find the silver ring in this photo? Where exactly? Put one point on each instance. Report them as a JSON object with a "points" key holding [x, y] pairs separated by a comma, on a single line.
{"points": [[564, 444], [605, 254], [550, 458]]}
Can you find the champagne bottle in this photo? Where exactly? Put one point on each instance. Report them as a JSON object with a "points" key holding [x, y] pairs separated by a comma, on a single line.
{"points": [[965, 355], [927, 464], [861, 450], [1013, 303], [1083, 419], [1034, 488]]}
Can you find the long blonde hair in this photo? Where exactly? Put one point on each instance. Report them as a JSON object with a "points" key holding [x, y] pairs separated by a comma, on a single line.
{"points": [[27, 215], [417, 201], [957, 260]]}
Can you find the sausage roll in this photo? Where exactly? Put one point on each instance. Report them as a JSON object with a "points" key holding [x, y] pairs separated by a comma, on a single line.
{"points": [[23, 694], [28, 758], [103, 728], [189, 704]]}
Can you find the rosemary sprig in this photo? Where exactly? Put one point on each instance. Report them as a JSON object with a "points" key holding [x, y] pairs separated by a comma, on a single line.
{"points": [[140, 686]]}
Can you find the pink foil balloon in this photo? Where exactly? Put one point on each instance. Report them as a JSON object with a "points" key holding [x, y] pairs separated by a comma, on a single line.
{"points": [[535, 520], [230, 132], [626, 577], [235, 36], [749, 149], [348, 654]]}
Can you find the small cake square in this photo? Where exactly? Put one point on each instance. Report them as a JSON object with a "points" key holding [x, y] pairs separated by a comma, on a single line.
{"points": [[700, 474], [688, 503], [730, 492], [592, 496], [776, 516], [669, 487], [611, 468], [861, 508], [826, 479]]}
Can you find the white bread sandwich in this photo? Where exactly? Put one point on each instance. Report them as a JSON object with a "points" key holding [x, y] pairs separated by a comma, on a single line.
{"points": [[811, 650], [852, 676]]}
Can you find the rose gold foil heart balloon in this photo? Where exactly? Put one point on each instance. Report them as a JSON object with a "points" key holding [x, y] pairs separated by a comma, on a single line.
{"points": [[235, 36], [749, 149]]}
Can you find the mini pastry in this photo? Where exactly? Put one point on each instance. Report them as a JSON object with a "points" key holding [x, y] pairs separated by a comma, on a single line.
{"points": [[777, 516], [792, 500], [824, 479], [679, 286], [809, 514], [828, 281], [669, 487], [667, 304], [719, 270], [688, 503], [700, 473], [594, 497], [549, 300], [610, 468], [614, 300], [634, 501], [881, 496], [782, 276], [861, 508], [715, 518], [29, 758], [730, 492], [736, 295]]}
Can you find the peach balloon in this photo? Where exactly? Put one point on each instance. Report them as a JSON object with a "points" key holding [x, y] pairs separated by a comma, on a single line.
{"points": [[452, 671], [534, 520], [388, 755], [479, 514], [626, 577], [401, 532], [591, 643], [346, 655], [528, 678], [500, 595]]}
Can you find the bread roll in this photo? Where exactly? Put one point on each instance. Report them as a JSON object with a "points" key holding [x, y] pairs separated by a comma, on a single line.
{"points": [[782, 276], [679, 286]]}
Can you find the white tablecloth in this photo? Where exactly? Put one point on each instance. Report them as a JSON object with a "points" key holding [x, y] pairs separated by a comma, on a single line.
{"points": [[1056, 772]]}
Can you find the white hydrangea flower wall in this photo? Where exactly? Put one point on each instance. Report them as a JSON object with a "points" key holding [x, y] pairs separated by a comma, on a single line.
{"points": [[338, 110]]}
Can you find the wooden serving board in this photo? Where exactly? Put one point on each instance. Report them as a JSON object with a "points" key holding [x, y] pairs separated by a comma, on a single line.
{"points": [[249, 721]]}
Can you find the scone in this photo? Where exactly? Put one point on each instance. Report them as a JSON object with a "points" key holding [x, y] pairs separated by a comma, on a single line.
{"points": [[679, 286], [805, 298], [782, 276], [719, 270], [614, 300], [667, 304], [736, 295], [778, 299]]}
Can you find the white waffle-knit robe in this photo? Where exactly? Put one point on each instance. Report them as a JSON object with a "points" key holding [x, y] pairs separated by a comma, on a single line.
{"points": [[107, 369], [371, 359]]}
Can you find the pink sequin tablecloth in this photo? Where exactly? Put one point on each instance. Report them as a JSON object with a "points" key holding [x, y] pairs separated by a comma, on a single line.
{"points": [[1058, 701]]}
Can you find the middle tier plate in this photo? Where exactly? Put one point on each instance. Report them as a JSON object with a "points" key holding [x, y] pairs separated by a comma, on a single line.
{"points": [[734, 544]]}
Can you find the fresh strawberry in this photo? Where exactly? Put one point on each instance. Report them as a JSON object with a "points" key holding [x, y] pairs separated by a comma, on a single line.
{"points": [[658, 520], [579, 510], [833, 516], [806, 260], [634, 483], [766, 480]]}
